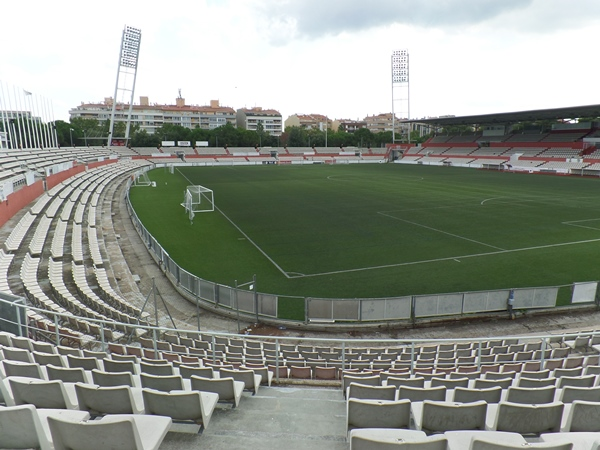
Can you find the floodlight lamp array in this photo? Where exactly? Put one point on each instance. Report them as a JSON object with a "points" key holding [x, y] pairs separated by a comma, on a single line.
{"points": [[130, 47], [400, 66]]}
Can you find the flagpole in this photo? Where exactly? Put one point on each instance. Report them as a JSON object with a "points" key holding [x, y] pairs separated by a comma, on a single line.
{"points": [[46, 123], [27, 120], [53, 124], [4, 112]]}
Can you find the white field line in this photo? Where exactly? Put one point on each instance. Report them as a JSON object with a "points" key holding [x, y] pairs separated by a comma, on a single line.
{"points": [[451, 258], [285, 274], [439, 231], [291, 275], [574, 223]]}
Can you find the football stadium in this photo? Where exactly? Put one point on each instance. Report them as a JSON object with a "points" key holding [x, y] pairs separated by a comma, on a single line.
{"points": [[430, 294]]}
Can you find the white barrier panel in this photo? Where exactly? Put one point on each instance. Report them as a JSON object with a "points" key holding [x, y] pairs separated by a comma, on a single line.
{"points": [[584, 292]]}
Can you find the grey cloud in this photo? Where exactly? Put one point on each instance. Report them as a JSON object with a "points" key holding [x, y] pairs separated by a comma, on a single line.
{"points": [[312, 19], [316, 18]]}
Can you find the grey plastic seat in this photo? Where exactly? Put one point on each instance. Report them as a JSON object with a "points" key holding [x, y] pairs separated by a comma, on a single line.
{"points": [[439, 417], [377, 414], [192, 406], [67, 374], [531, 395], [85, 362], [583, 416], [489, 395], [528, 418], [418, 382], [483, 444], [100, 400], [23, 369], [229, 390], [17, 354], [165, 383], [250, 379], [450, 383], [203, 372], [24, 426], [390, 439], [111, 365], [117, 432], [422, 394], [110, 379], [156, 369], [366, 392], [570, 393], [41, 393], [587, 381]]}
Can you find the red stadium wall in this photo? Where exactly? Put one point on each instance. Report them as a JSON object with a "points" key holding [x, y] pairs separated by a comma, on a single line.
{"points": [[19, 199], [57, 178]]}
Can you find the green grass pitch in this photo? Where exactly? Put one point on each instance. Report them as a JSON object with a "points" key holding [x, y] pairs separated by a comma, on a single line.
{"points": [[377, 230]]}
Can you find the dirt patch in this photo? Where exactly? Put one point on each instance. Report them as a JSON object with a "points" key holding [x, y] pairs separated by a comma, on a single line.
{"points": [[260, 329]]}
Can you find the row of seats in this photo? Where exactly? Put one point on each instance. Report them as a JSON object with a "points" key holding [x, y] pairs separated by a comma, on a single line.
{"points": [[26, 426], [381, 438], [441, 416]]}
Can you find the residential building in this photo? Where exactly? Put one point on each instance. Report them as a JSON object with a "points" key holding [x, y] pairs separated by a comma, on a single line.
{"points": [[249, 118], [381, 122], [347, 125], [308, 121], [150, 117]]}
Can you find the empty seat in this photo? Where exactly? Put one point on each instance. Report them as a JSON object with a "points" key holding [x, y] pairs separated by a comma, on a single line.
{"points": [[528, 418], [377, 414], [110, 379], [389, 439], [366, 392], [489, 395], [191, 406], [583, 416], [422, 394], [41, 394], [67, 374], [531, 395], [165, 383], [100, 400], [570, 393], [23, 426], [448, 416], [110, 432], [229, 390], [250, 379]]}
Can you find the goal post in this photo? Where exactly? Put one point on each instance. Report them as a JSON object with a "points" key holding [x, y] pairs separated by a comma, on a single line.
{"points": [[198, 199]]}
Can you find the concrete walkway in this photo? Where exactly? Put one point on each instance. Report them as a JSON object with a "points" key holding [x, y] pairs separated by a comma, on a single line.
{"points": [[290, 418]]}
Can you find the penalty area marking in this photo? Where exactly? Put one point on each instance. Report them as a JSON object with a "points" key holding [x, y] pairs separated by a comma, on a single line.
{"points": [[451, 258], [574, 223]]}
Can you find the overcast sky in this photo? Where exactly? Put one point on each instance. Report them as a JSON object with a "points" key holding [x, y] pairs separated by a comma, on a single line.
{"points": [[329, 57]]}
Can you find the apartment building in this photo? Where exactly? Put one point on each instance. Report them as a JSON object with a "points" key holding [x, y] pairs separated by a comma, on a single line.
{"points": [[308, 121], [249, 118], [149, 117]]}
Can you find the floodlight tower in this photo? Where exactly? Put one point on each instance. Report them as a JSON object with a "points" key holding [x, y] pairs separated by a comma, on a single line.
{"points": [[126, 76], [400, 89]]}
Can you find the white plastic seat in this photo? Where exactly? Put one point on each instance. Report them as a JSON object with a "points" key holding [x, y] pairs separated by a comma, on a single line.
{"points": [[389, 439], [24, 426], [99, 400], [528, 418], [229, 390], [377, 414], [42, 394], [116, 432], [449, 416], [192, 406]]}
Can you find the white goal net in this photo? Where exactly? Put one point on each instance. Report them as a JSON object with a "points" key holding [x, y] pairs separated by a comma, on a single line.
{"points": [[198, 199]]}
